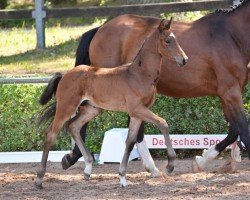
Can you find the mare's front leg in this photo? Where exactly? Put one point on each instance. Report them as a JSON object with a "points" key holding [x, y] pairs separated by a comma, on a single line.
{"points": [[147, 115], [134, 126], [85, 114], [233, 109]]}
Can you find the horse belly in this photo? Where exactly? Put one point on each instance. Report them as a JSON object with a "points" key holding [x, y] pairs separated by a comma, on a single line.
{"points": [[107, 96], [187, 82]]}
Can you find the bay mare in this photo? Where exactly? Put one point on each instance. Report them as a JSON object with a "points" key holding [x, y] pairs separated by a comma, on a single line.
{"points": [[129, 88], [218, 47]]}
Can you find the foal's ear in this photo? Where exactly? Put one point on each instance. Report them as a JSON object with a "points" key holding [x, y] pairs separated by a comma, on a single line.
{"points": [[165, 25]]}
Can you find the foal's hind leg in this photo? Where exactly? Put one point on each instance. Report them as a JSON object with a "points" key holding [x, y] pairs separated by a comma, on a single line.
{"points": [[86, 113], [147, 115], [51, 134], [134, 126]]}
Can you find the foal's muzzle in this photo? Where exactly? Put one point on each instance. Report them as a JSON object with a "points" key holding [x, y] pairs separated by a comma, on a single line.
{"points": [[181, 60]]}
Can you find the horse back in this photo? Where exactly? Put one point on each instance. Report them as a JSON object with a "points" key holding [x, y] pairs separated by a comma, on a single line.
{"points": [[118, 41]]}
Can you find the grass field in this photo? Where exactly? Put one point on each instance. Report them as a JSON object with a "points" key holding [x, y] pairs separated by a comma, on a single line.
{"points": [[18, 56]]}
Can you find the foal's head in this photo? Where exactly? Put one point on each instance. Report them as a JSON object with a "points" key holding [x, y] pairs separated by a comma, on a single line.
{"points": [[168, 45]]}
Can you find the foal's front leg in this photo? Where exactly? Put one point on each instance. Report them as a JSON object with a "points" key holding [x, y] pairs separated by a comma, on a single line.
{"points": [[86, 114], [147, 115], [134, 126]]}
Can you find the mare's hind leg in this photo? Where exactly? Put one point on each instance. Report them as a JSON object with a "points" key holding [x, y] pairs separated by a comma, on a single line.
{"points": [[146, 158], [147, 115], [134, 126], [86, 113], [233, 109], [71, 158], [51, 134]]}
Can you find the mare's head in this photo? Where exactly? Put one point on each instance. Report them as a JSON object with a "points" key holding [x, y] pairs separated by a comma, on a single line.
{"points": [[168, 45]]}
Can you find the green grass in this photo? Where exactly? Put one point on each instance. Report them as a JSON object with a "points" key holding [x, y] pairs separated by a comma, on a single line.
{"points": [[19, 57]]}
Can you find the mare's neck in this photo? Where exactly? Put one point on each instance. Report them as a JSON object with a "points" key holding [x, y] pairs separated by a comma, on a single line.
{"points": [[147, 63], [240, 29]]}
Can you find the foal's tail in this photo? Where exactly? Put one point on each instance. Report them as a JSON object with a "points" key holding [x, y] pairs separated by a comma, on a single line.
{"points": [[47, 114], [50, 89], [82, 52]]}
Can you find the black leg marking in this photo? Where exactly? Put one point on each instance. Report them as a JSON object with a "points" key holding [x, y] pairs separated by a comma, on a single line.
{"points": [[70, 159], [238, 126]]}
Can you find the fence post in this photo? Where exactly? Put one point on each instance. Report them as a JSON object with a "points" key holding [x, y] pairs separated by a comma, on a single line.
{"points": [[39, 14]]}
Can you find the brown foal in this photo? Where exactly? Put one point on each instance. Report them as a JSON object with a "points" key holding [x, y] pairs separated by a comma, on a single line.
{"points": [[129, 88]]}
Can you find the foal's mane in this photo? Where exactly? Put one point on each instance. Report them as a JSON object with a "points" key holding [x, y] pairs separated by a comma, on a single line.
{"points": [[141, 47], [233, 8]]}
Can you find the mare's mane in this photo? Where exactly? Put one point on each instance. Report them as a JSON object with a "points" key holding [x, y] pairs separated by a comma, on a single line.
{"points": [[233, 8]]}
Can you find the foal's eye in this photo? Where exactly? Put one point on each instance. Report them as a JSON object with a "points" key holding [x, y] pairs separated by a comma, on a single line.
{"points": [[168, 40]]}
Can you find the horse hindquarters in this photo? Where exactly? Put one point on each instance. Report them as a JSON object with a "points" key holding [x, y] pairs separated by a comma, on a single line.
{"points": [[65, 108]]}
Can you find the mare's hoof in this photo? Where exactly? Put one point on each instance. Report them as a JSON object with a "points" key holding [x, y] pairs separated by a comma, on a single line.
{"points": [[67, 161], [196, 168], [156, 173], [86, 176], [229, 166], [170, 169]]}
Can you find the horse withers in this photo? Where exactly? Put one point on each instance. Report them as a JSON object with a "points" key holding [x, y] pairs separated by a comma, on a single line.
{"points": [[218, 47], [129, 88]]}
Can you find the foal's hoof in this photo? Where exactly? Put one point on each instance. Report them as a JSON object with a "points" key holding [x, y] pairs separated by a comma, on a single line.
{"points": [[38, 185], [196, 168], [123, 182], [86, 176], [170, 169]]}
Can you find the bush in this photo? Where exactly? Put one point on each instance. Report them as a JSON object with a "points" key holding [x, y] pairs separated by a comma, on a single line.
{"points": [[62, 2], [3, 4], [19, 105]]}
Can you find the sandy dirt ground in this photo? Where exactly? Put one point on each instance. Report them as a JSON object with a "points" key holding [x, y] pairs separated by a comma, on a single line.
{"points": [[17, 182]]}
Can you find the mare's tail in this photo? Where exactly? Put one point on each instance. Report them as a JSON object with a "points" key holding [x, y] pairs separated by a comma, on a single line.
{"points": [[82, 52], [47, 114]]}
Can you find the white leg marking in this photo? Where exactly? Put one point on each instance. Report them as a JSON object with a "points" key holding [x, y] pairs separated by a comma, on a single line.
{"points": [[123, 182], [88, 168], [207, 155], [147, 159], [235, 152]]}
